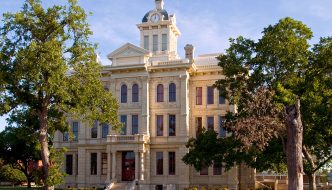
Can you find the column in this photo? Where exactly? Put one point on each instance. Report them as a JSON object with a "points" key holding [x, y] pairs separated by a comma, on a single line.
{"points": [[142, 166], [136, 165], [144, 98], [113, 166], [108, 178]]}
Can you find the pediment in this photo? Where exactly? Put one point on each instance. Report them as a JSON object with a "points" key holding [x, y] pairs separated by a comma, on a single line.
{"points": [[128, 50]]}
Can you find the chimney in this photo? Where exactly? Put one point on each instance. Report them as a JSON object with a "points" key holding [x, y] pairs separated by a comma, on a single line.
{"points": [[189, 49]]}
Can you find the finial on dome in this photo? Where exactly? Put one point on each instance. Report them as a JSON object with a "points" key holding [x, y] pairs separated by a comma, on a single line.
{"points": [[159, 4]]}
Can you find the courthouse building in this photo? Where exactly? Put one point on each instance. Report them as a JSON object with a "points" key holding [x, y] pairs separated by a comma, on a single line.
{"points": [[164, 100]]}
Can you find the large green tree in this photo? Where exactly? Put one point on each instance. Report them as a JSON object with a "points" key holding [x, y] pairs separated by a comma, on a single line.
{"points": [[48, 65], [282, 63]]}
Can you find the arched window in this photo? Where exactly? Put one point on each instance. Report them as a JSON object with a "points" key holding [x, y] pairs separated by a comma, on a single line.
{"points": [[160, 93], [172, 92], [124, 93], [135, 93]]}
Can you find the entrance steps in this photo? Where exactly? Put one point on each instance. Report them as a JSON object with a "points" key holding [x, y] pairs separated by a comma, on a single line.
{"points": [[122, 186]]}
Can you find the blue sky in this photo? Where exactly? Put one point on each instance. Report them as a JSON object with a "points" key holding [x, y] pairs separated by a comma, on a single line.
{"points": [[207, 24]]}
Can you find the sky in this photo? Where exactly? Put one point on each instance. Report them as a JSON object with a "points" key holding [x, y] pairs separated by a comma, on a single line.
{"points": [[207, 24]]}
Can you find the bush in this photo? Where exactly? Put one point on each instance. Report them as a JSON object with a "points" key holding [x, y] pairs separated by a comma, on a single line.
{"points": [[10, 174]]}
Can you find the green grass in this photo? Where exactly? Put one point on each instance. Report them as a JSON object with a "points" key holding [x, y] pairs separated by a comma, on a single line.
{"points": [[17, 188]]}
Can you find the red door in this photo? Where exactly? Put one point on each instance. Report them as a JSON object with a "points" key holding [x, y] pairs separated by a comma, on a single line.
{"points": [[128, 166]]}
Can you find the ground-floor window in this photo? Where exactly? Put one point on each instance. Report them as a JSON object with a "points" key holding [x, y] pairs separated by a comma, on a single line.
{"points": [[171, 163], [160, 163], [69, 164], [217, 168], [93, 164], [204, 170], [159, 187], [104, 164]]}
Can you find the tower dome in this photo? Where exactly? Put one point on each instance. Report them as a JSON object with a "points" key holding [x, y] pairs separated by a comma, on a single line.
{"points": [[159, 9]]}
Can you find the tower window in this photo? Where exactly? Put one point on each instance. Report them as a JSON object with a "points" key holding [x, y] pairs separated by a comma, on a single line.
{"points": [[105, 129], [94, 130], [210, 95], [171, 125], [160, 125], [123, 119], [69, 164], [146, 42], [134, 124], [199, 96], [75, 130], [164, 42], [160, 163], [93, 164], [155, 43]]}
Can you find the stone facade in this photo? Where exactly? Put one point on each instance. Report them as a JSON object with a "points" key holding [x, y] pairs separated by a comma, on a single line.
{"points": [[96, 159]]}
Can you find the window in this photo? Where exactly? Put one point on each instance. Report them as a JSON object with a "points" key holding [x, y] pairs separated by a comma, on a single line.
{"points": [[210, 96], [199, 96], [221, 99], [164, 42], [160, 163], [217, 168], [222, 130], [155, 42], [172, 92], [124, 93], [104, 130], [65, 136], [171, 125], [159, 187], [171, 163], [75, 130], [160, 93], [103, 163], [135, 92], [204, 170], [160, 125], [69, 164], [199, 126], [134, 124], [210, 123], [76, 164], [94, 130], [146, 42], [123, 120], [93, 164]]}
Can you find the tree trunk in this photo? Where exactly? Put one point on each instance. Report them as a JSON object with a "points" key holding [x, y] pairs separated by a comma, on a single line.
{"points": [[45, 153], [29, 182], [312, 181], [294, 147]]}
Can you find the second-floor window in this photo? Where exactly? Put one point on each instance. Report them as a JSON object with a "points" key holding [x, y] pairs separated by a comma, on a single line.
{"points": [[160, 93], [135, 93], [94, 130], [210, 96], [104, 130], [160, 125], [124, 93], [134, 123], [221, 99], [75, 130], [123, 119], [199, 96], [172, 92], [171, 125]]}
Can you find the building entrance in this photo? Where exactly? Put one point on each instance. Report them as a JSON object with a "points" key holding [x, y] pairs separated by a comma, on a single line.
{"points": [[128, 166]]}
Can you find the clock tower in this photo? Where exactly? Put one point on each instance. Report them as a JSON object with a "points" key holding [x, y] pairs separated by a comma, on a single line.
{"points": [[159, 33]]}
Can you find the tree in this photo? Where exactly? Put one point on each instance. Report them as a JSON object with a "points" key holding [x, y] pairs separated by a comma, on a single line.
{"points": [[48, 66], [282, 64], [19, 149]]}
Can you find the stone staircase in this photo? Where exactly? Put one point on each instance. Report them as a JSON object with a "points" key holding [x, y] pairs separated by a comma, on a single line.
{"points": [[122, 186]]}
